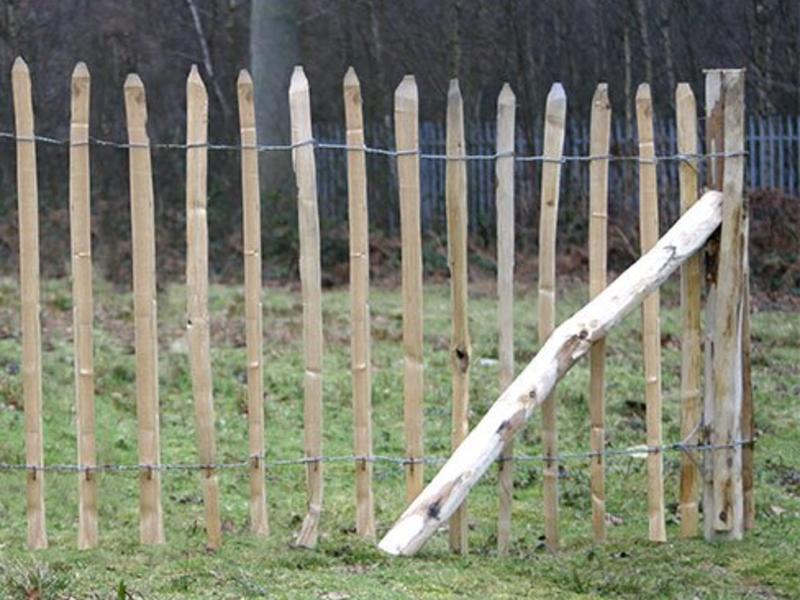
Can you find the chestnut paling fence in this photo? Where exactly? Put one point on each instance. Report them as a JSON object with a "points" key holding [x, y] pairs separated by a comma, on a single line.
{"points": [[716, 422]]}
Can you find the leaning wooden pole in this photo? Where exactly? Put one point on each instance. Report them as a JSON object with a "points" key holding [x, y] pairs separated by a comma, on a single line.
{"points": [[571, 340], [555, 122], [504, 193], [460, 345], [82, 312], [198, 332], [254, 333], [651, 328], [143, 241], [691, 287], [310, 281], [28, 203], [361, 364], [599, 135], [406, 126]]}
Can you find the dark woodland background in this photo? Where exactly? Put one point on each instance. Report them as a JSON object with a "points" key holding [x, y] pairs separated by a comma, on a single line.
{"points": [[529, 43]]}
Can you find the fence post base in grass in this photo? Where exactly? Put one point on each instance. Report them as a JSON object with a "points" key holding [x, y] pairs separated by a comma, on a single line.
{"points": [[442, 497]]}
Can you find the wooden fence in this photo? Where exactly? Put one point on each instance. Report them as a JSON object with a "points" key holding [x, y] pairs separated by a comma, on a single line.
{"points": [[720, 430]]}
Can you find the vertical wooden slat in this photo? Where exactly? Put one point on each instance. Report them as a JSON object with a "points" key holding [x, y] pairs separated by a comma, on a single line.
{"points": [[748, 414], [715, 165], [555, 116], [598, 259], [406, 121], [504, 173], [197, 324], [651, 328], [460, 345], [251, 227], [28, 203], [151, 520], [727, 381], [82, 312], [360, 354], [691, 284], [310, 280]]}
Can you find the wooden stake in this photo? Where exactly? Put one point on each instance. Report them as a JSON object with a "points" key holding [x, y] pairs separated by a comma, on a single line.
{"points": [[748, 415], [715, 110], [555, 117], [651, 328], [151, 520], [563, 348], [460, 346], [359, 303], [406, 124], [82, 312], [28, 203], [504, 173], [310, 281], [197, 325], [251, 228], [727, 361], [598, 256], [691, 285]]}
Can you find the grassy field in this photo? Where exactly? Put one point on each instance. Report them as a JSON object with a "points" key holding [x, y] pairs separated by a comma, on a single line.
{"points": [[765, 565]]}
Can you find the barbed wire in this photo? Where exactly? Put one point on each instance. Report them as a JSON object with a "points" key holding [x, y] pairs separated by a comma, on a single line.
{"points": [[254, 460], [682, 157]]}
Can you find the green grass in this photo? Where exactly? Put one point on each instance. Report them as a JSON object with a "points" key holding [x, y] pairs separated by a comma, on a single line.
{"points": [[765, 565]]}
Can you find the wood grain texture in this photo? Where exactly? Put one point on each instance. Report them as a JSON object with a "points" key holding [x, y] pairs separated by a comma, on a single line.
{"points": [[151, 517], [691, 336], [504, 197], [651, 325], [28, 211], [599, 139], [253, 309], [360, 352], [82, 311], [554, 128], [406, 123], [571, 340], [198, 332], [310, 281], [460, 345]]}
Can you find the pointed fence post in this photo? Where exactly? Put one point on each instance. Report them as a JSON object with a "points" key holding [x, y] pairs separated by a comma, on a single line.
{"points": [[143, 240], [460, 346], [251, 226], [197, 327], [310, 281], [651, 327], [82, 312], [28, 203], [598, 259], [555, 121], [504, 174], [406, 123], [361, 362]]}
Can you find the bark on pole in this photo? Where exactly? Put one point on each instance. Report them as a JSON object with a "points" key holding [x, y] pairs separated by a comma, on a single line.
{"points": [[439, 500]]}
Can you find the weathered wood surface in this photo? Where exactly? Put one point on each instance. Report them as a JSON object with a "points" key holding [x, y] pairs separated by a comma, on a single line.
{"points": [[143, 241], [406, 122], [460, 345], [563, 348], [82, 311], [691, 287], [311, 283], [504, 193], [198, 331], [360, 352], [253, 311], [554, 128], [651, 325], [28, 211], [599, 135]]}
